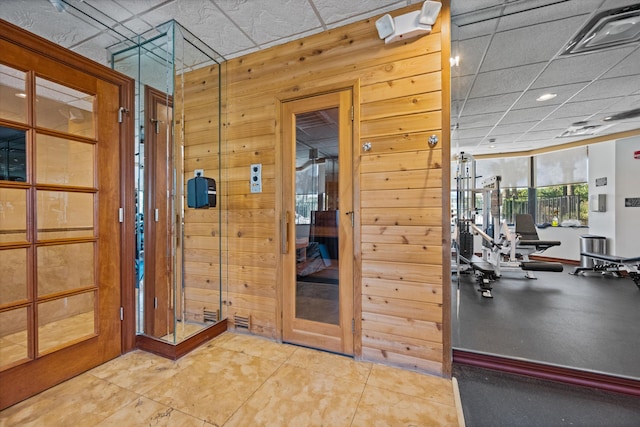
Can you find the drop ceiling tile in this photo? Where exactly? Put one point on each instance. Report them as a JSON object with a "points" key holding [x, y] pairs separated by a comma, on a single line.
{"points": [[110, 10], [489, 104], [503, 130], [134, 25], [627, 67], [480, 120], [580, 68], [268, 20], [461, 7], [474, 132], [137, 6], [505, 80], [527, 115], [96, 48], [629, 102], [332, 11], [608, 88], [546, 135], [557, 125], [535, 43], [206, 21], [41, 18], [564, 93], [464, 143], [519, 14], [584, 109], [470, 52], [460, 87]]}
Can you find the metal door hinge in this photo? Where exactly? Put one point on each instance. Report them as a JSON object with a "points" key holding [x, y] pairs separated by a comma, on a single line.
{"points": [[155, 302], [353, 326], [352, 113], [121, 313], [121, 214], [121, 112]]}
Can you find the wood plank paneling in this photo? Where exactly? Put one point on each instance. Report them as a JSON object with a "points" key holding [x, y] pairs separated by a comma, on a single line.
{"points": [[403, 100]]}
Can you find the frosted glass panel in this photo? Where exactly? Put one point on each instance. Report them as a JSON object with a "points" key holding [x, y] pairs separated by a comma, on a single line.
{"points": [[513, 170]]}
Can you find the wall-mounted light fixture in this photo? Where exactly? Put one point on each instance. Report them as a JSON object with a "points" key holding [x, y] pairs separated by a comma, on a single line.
{"points": [[409, 25]]}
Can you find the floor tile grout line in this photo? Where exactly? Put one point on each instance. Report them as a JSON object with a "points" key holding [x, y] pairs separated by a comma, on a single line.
{"points": [[260, 386]]}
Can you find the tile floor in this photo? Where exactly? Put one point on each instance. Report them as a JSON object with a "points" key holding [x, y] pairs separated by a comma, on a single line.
{"points": [[241, 380]]}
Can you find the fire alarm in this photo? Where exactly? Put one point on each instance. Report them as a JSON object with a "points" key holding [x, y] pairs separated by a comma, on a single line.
{"points": [[636, 155]]}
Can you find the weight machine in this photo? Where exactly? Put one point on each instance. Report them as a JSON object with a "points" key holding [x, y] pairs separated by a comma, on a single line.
{"points": [[502, 249]]}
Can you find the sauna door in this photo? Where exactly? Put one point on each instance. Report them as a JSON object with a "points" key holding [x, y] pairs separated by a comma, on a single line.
{"points": [[318, 222]]}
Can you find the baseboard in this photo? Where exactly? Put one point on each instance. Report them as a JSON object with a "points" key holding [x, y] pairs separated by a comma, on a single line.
{"points": [[549, 372], [458, 402], [176, 351]]}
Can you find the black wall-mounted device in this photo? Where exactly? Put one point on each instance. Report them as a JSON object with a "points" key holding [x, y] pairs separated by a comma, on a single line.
{"points": [[201, 192]]}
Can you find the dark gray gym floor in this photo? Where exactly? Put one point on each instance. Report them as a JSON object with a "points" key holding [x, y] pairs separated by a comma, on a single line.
{"points": [[495, 399], [589, 322]]}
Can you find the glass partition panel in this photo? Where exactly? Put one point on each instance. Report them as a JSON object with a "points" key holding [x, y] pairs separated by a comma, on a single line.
{"points": [[13, 336], [13, 215], [180, 278], [65, 320], [64, 162], [13, 94], [64, 109]]}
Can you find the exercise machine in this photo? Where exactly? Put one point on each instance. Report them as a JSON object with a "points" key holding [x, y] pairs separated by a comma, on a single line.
{"points": [[502, 250], [613, 265]]}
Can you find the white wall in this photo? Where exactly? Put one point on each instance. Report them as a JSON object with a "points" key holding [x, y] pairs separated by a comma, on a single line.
{"points": [[627, 230], [621, 226]]}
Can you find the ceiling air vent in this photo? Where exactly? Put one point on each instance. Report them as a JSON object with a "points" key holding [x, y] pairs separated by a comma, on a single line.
{"points": [[583, 128], [610, 28]]}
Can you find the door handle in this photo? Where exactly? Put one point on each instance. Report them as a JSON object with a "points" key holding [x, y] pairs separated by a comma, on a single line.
{"points": [[285, 232]]}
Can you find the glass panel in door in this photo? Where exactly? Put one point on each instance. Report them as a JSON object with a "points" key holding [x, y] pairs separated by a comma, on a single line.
{"points": [[316, 217]]}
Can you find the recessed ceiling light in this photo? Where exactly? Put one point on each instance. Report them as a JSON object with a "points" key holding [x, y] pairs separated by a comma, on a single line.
{"points": [[546, 96], [21, 95], [492, 146], [454, 61]]}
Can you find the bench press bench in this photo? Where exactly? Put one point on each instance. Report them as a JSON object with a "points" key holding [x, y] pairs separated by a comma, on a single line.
{"points": [[613, 264]]}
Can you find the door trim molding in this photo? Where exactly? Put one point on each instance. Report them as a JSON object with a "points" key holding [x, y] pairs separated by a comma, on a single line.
{"points": [[291, 95]]}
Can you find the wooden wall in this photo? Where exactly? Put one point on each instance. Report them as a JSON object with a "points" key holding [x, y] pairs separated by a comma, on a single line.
{"points": [[402, 250], [196, 111]]}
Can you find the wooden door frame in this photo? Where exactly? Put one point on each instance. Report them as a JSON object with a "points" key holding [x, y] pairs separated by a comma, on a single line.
{"points": [[291, 95], [23, 47], [153, 97]]}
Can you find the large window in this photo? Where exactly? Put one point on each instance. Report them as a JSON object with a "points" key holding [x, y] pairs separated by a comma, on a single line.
{"points": [[567, 204], [558, 190]]}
